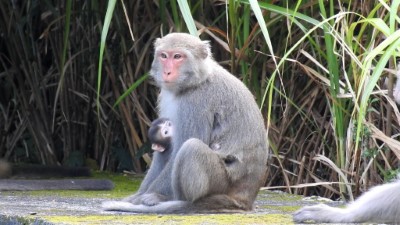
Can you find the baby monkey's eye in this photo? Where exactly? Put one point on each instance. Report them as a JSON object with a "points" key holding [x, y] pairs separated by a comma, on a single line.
{"points": [[163, 55], [177, 56]]}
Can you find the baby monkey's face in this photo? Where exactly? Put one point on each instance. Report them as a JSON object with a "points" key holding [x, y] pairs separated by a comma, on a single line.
{"points": [[166, 130]]}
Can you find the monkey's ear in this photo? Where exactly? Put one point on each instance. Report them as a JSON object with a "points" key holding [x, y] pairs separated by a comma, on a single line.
{"points": [[157, 42], [204, 50], [157, 147]]}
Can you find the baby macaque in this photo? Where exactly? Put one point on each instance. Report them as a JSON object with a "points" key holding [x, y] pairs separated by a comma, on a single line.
{"points": [[160, 134]]}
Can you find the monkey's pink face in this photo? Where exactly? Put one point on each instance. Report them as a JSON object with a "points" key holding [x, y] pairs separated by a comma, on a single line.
{"points": [[171, 62]]}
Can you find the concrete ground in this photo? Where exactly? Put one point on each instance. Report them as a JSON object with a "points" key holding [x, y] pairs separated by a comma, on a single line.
{"points": [[52, 208]]}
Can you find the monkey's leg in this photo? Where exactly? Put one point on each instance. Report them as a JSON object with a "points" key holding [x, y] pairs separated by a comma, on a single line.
{"points": [[199, 176], [153, 176], [200, 184], [198, 171], [381, 204], [195, 160]]}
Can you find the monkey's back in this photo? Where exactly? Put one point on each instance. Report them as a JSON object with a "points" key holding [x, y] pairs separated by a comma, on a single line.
{"points": [[242, 131]]}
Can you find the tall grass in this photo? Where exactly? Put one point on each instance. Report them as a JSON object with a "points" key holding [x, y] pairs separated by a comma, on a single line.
{"points": [[336, 57], [322, 73]]}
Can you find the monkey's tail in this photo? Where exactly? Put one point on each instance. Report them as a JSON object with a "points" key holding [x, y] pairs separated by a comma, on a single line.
{"points": [[161, 208], [214, 204]]}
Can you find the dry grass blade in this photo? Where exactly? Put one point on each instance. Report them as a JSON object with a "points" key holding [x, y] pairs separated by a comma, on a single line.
{"points": [[313, 184], [393, 144], [333, 166]]}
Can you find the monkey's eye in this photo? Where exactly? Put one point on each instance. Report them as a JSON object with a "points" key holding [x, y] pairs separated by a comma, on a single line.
{"points": [[177, 56], [165, 132], [163, 55]]}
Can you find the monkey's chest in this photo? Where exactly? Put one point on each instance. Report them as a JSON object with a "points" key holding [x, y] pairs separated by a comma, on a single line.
{"points": [[195, 116]]}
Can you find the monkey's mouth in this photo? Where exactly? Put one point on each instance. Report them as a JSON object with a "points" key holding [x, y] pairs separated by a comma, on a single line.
{"points": [[169, 84]]}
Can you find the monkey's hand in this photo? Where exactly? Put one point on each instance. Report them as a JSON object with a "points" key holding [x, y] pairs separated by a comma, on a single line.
{"points": [[135, 199], [148, 199], [152, 199], [318, 213]]}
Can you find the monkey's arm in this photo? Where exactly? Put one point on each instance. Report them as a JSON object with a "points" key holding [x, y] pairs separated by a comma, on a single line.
{"points": [[60, 184], [381, 205]]}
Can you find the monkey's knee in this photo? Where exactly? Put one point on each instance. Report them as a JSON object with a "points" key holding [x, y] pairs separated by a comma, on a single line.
{"points": [[198, 171], [194, 152]]}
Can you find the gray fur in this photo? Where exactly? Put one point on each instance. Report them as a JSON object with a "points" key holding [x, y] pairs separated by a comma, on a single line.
{"points": [[381, 204], [206, 105]]}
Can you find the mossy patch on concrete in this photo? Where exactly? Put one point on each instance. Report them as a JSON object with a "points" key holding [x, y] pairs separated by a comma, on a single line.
{"points": [[175, 219], [283, 208], [83, 207], [277, 196]]}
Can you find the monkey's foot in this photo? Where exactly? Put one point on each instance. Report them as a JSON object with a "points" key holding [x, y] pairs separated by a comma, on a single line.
{"points": [[135, 199], [148, 199]]}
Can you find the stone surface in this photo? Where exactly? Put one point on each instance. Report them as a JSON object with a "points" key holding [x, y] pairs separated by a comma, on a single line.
{"points": [[275, 207], [54, 208]]}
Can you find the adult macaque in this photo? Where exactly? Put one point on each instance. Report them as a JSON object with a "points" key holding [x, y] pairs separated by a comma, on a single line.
{"points": [[206, 105], [381, 204]]}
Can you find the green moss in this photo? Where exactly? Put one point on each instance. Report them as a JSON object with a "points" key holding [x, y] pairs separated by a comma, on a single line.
{"points": [[277, 196], [282, 208], [275, 213], [175, 219]]}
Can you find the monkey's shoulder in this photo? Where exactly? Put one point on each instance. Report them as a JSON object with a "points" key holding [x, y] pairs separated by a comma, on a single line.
{"points": [[227, 83]]}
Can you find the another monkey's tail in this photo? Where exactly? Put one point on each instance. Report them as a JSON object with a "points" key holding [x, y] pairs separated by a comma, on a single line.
{"points": [[214, 204]]}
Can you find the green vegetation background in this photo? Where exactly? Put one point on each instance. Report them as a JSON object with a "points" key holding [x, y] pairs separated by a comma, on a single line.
{"points": [[321, 71]]}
